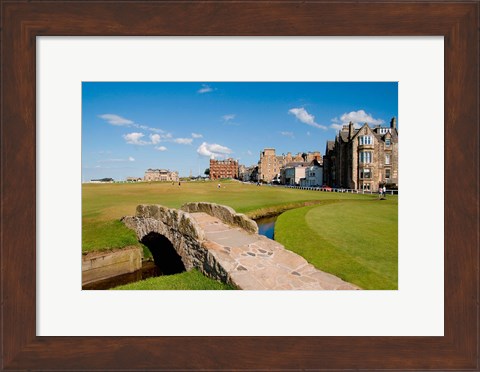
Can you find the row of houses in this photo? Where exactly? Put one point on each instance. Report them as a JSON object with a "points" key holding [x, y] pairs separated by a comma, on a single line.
{"points": [[362, 158]]}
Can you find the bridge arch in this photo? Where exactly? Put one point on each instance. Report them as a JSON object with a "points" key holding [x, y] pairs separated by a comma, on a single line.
{"points": [[165, 256]]}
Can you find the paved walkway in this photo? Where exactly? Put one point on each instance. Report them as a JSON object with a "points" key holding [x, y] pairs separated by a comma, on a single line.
{"points": [[256, 262]]}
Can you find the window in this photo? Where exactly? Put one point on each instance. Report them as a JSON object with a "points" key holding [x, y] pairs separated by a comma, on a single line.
{"points": [[365, 157], [366, 186], [387, 158], [365, 140], [365, 173], [387, 142], [387, 174]]}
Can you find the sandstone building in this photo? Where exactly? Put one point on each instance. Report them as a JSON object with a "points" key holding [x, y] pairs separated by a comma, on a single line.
{"points": [[223, 168], [160, 175], [270, 164], [363, 158]]}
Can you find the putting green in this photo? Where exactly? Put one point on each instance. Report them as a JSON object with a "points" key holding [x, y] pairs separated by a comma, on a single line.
{"points": [[356, 240]]}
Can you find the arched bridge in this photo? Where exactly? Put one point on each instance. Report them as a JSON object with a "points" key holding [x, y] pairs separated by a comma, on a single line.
{"points": [[224, 245]]}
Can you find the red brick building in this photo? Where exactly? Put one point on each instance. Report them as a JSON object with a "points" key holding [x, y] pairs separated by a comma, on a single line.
{"points": [[223, 169]]}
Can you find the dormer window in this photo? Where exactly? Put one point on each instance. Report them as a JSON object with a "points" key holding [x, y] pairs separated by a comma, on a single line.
{"points": [[365, 140], [387, 141]]}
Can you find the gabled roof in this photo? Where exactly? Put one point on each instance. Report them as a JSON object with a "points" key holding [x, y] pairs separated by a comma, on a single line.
{"points": [[357, 131]]}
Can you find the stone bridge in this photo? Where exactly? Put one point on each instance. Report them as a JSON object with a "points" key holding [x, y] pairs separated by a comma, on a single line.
{"points": [[223, 245]]}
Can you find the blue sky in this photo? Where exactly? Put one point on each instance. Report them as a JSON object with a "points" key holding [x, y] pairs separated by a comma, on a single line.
{"points": [[130, 127]]}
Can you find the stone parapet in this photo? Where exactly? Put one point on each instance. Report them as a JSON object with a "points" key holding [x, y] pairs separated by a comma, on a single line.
{"points": [[223, 213]]}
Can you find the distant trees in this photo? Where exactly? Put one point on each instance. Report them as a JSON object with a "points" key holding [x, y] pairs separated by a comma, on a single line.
{"points": [[207, 172]]}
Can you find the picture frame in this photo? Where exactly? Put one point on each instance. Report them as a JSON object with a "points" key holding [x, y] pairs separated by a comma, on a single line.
{"points": [[22, 22]]}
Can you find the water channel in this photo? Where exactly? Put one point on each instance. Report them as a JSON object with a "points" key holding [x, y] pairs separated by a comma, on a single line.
{"points": [[266, 226], [148, 270]]}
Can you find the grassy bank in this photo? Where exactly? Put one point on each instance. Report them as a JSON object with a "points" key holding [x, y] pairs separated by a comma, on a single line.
{"points": [[190, 280], [356, 240]]}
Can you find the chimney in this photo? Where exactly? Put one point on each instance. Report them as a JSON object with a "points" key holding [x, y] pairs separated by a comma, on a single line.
{"points": [[350, 130], [393, 123]]}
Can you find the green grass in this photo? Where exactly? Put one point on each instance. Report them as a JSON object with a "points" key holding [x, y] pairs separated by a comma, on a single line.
{"points": [[102, 204], [356, 240], [106, 235], [353, 236], [189, 280]]}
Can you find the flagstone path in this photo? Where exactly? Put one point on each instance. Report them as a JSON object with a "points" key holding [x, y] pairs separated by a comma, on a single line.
{"points": [[255, 262]]}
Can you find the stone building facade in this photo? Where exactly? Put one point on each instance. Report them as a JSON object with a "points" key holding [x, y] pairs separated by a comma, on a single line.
{"points": [[247, 174], [223, 169], [270, 164], [160, 175], [363, 158]]}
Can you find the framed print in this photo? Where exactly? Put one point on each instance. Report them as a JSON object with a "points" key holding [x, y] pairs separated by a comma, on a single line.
{"points": [[28, 27], [169, 59]]}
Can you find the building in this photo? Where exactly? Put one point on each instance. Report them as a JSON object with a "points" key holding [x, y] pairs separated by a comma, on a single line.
{"points": [[223, 169], [270, 164], [313, 175], [161, 175], [292, 173], [363, 158], [247, 174]]}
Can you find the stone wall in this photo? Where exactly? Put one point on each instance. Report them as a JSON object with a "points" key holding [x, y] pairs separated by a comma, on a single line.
{"points": [[97, 266], [183, 231], [224, 214]]}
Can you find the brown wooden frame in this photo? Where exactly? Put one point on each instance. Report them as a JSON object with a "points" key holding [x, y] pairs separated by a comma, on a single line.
{"points": [[22, 21]]}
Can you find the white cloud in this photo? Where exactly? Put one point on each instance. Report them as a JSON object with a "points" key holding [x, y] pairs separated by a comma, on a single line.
{"points": [[131, 158], [183, 141], [145, 127], [336, 126], [135, 138], [287, 134], [161, 148], [196, 135], [358, 118], [308, 133], [116, 120], [205, 89], [155, 138], [228, 117], [213, 150], [249, 152], [306, 118]]}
